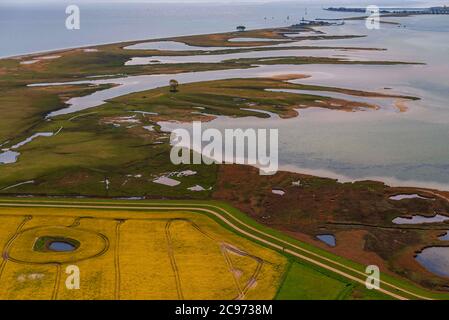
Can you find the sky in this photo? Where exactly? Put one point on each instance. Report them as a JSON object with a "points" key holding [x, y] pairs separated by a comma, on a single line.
{"points": [[359, 3], [352, 2]]}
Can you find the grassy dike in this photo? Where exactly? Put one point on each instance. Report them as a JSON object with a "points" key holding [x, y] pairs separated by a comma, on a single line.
{"points": [[243, 225]]}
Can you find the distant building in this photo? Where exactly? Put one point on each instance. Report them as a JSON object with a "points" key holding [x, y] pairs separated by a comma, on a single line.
{"points": [[439, 10], [431, 10], [311, 23]]}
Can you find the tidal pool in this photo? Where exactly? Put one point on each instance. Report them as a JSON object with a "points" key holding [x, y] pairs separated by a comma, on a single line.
{"points": [[8, 156], [328, 239], [417, 219], [435, 260], [444, 237], [31, 138], [167, 181], [196, 188], [408, 196]]}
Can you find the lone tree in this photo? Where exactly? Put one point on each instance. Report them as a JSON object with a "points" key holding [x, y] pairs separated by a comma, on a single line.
{"points": [[241, 28], [174, 85]]}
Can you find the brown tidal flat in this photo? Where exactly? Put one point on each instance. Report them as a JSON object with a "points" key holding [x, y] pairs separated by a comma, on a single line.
{"points": [[358, 214], [401, 105], [286, 77]]}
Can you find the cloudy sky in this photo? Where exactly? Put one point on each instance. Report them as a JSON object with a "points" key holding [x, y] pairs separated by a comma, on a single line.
{"points": [[380, 2], [360, 3]]}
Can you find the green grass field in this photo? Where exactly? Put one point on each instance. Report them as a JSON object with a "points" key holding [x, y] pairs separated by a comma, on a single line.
{"points": [[306, 282]]}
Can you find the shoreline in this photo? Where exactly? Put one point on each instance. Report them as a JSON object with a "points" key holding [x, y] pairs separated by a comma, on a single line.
{"points": [[391, 181], [122, 44], [435, 189], [179, 38], [340, 178]]}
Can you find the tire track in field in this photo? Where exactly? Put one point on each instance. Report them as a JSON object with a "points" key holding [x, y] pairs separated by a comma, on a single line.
{"points": [[252, 280], [225, 249], [54, 295], [171, 255], [117, 258], [228, 261], [76, 222], [7, 247]]}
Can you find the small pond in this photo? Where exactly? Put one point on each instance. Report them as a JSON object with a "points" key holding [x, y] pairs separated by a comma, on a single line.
{"points": [[48, 244], [445, 237], [61, 246], [435, 260], [278, 192], [328, 239], [8, 157], [408, 196]]}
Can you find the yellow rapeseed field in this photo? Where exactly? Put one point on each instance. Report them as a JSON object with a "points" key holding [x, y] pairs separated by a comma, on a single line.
{"points": [[130, 255]]}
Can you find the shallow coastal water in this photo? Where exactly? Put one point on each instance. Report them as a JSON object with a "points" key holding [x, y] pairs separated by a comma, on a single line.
{"points": [[342, 148], [386, 103], [216, 58], [408, 148], [114, 22], [337, 53]]}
